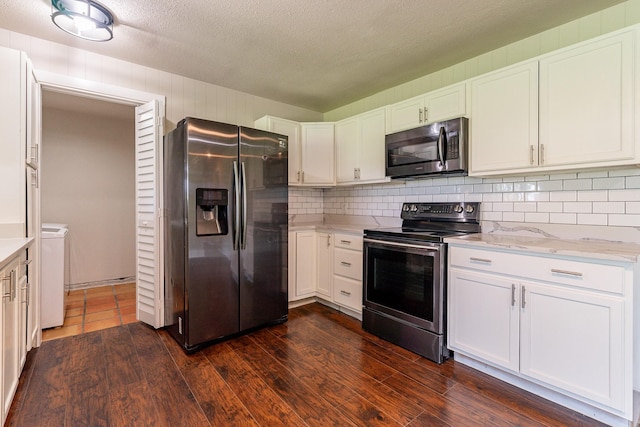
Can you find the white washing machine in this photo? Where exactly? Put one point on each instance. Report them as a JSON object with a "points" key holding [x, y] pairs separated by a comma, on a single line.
{"points": [[54, 274]]}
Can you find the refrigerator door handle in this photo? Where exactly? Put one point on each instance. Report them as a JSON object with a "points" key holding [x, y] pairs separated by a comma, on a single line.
{"points": [[243, 227], [235, 232]]}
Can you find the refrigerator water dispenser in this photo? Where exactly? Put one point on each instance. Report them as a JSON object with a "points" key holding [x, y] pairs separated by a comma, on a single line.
{"points": [[211, 211]]}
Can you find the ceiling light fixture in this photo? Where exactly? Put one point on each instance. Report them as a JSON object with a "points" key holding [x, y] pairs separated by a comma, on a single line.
{"points": [[86, 19]]}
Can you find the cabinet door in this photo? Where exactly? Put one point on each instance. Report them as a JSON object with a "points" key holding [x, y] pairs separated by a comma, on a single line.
{"points": [[317, 154], [405, 114], [292, 130], [305, 263], [504, 119], [10, 331], [574, 340], [372, 151], [483, 317], [446, 103], [347, 149], [586, 103], [324, 265]]}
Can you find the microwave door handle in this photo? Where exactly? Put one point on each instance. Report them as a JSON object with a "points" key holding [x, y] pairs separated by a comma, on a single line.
{"points": [[442, 139]]}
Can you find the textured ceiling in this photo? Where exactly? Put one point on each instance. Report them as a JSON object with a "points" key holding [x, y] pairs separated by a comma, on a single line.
{"points": [[316, 54]]}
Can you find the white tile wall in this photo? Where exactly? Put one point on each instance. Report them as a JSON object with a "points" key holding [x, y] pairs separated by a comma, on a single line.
{"points": [[590, 198]]}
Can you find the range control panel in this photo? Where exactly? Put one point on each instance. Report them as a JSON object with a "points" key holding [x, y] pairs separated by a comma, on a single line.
{"points": [[455, 211]]}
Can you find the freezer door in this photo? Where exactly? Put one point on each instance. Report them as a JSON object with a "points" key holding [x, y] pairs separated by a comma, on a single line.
{"points": [[212, 275], [263, 239]]}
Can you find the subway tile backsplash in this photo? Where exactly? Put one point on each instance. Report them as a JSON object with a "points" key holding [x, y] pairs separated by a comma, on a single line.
{"points": [[585, 198]]}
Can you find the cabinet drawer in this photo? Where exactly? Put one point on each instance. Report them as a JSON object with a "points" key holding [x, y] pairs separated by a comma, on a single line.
{"points": [[347, 263], [348, 292], [601, 277], [348, 241]]}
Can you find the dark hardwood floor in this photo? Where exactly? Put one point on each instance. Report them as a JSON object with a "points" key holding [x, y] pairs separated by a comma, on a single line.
{"points": [[318, 369]]}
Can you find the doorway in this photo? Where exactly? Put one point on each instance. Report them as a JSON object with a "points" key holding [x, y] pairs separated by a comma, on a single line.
{"points": [[88, 184], [149, 123]]}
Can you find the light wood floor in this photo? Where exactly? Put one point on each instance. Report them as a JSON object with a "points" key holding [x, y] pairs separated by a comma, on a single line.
{"points": [[317, 369], [88, 310]]}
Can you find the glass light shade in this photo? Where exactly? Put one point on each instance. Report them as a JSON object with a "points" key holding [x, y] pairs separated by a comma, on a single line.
{"points": [[83, 18]]}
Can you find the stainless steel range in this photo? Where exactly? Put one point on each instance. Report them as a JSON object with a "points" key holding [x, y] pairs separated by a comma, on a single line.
{"points": [[405, 275]]}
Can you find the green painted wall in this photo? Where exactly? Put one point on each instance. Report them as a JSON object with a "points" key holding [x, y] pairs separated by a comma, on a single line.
{"points": [[590, 26]]}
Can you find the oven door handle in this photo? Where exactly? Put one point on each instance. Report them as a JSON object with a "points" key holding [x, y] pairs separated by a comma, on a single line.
{"points": [[404, 245]]}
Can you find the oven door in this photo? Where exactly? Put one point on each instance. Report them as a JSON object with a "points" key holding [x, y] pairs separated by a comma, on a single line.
{"points": [[406, 281]]}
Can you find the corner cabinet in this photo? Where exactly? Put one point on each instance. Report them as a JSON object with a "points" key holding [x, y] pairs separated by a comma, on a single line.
{"points": [[360, 152], [441, 104], [326, 267], [571, 109], [564, 323], [292, 130]]}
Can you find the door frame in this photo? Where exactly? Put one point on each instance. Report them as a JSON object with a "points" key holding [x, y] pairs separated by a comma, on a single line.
{"points": [[119, 95]]}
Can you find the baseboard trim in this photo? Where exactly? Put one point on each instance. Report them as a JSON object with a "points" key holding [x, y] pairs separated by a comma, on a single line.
{"points": [[97, 284]]}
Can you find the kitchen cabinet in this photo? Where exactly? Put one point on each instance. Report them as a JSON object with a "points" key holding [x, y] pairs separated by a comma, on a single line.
{"points": [[303, 284], [360, 152], [324, 279], [570, 109], [441, 104], [347, 271], [587, 103], [292, 130], [560, 322], [10, 277], [13, 136], [504, 119], [317, 155]]}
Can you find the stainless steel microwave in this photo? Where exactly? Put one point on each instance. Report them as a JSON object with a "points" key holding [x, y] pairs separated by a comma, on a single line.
{"points": [[438, 148]]}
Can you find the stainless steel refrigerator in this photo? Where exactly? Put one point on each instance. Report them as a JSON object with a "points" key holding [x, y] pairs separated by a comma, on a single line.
{"points": [[225, 194]]}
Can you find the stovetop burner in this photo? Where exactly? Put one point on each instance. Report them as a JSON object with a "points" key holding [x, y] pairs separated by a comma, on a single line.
{"points": [[433, 221]]}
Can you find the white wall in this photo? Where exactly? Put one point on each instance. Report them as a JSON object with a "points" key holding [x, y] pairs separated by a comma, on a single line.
{"points": [[185, 97], [88, 182]]}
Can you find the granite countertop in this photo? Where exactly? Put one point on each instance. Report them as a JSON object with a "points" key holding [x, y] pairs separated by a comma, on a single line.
{"points": [[10, 247], [588, 248]]}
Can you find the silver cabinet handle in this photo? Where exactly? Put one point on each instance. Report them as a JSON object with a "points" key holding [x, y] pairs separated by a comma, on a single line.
{"points": [[426, 114], [346, 264], [483, 260], [542, 154], [345, 242], [345, 293], [531, 154], [329, 240], [302, 177], [566, 272], [513, 295], [420, 115], [523, 300]]}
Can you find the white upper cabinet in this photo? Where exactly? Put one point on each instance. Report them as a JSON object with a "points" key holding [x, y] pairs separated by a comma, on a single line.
{"points": [[441, 104], [504, 119], [317, 144], [360, 153], [571, 109], [586, 103], [292, 130]]}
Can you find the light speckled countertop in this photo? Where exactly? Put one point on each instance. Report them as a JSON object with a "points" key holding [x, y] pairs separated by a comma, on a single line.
{"points": [[10, 247], [588, 248], [334, 228]]}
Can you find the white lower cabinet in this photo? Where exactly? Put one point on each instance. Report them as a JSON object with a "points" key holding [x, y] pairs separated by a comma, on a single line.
{"points": [[563, 323], [10, 276], [324, 256], [327, 266]]}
